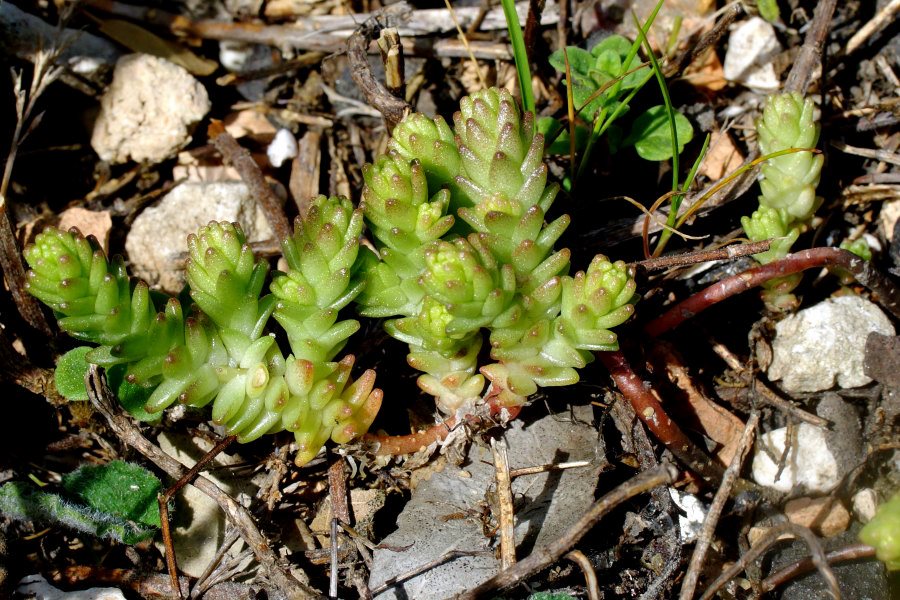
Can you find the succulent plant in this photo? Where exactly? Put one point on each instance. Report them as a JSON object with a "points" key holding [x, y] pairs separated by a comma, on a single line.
{"points": [[221, 353], [440, 281], [788, 185], [494, 269], [883, 533]]}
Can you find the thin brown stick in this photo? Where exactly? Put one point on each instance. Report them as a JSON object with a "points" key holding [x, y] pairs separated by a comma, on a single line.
{"points": [[106, 404], [507, 516], [390, 106], [700, 256], [543, 557], [805, 565], [774, 535], [392, 58], [809, 60], [651, 412], [340, 513], [165, 497], [765, 394], [590, 576], [887, 294], [239, 158], [532, 27], [513, 473], [880, 155], [770, 397], [883, 17], [715, 510], [709, 39]]}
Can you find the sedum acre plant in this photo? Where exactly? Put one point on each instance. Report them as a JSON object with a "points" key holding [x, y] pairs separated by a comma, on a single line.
{"points": [[788, 186], [220, 354], [883, 533], [458, 218]]}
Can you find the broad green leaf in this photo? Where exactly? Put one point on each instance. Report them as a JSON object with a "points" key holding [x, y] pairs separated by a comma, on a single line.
{"points": [[118, 488], [651, 135], [69, 375], [580, 61]]}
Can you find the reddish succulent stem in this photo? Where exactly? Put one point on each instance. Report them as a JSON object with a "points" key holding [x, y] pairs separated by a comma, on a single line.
{"points": [[395, 445], [885, 291], [650, 411]]}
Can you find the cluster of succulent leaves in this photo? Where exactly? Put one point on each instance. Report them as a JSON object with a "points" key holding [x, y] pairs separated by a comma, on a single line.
{"points": [[116, 500], [788, 185], [218, 351], [883, 533], [604, 80], [458, 218]]}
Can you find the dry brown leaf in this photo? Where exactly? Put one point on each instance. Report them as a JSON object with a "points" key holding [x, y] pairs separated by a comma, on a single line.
{"points": [[249, 122], [717, 422], [706, 72], [135, 37], [723, 156]]}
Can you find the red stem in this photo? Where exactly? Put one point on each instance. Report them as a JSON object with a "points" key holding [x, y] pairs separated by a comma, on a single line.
{"points": [[886, 292], [395, 445], [651, 412]]}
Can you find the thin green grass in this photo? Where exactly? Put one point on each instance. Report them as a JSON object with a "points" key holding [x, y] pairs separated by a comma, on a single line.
{"points": [[523, 68]]}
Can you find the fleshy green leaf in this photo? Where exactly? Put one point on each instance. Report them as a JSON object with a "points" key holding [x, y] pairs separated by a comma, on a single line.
{"points": [[652, 137], [70, 372]]}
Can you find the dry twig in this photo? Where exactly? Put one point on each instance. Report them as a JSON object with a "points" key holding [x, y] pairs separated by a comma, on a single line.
{"points": [[507, 517], [774, 535], [805, 565], [105, 403], [702, 256], [590, 576], [885, 15], [390, 106], [543, 557], [704, 539], [808, 63], [239, 158]]}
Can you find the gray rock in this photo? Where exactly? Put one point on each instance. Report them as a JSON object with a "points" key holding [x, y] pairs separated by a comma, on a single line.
{"points": [[148, 111], [158, 236], [825, 344], [443, 513], [858, 580]]}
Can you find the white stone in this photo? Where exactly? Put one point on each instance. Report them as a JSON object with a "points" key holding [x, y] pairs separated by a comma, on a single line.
{"points": [[809, 462], [865, 504], [283, 147], [691, 522], [35, 586], [158, 236], [825, 344], [148, 111], [752, 46]]}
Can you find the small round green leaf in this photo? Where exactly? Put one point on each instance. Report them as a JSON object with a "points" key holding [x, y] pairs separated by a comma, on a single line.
{"points": [[69, 375], [651, 134]]}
